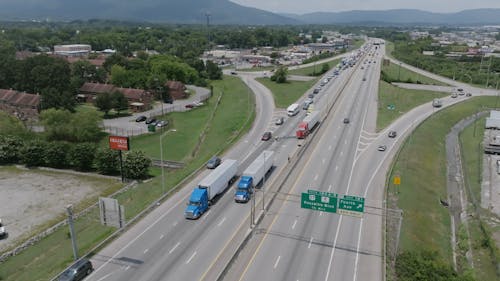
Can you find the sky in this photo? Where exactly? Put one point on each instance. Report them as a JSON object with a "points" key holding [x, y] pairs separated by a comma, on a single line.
{"points": [[307, 6]]}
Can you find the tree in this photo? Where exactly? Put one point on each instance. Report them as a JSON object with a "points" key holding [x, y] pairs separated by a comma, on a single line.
{"points": [[10, 149], [114, 59], [104, 102], [118, 101], [62, 125], [39, 73], [213, 71], [9, 125], [53, 98], [33, 152], [55, 155], [280, 75], [325, 67], [82, 155], [107, 161], [85, 127], [57, 124], [136, 165]]}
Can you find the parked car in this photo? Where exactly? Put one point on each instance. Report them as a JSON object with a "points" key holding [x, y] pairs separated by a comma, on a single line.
{"points": [[267, 136], [279, 121], [189, 105], [169, 100], [140, 118], [151, 120], [460, 89], [213, 162], [392, 134], [161, 123], [468, 95], [382, 148], [77, 271], [234, 73]]}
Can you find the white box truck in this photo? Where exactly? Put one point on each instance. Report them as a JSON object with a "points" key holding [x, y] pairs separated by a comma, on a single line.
{"points": [[293, 109], [253, 175]]}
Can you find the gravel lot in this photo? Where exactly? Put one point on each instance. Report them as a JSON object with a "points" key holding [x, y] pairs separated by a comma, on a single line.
{"points": [[30, 198]]}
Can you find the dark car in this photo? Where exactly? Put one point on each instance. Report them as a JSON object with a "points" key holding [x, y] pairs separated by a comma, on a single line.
{"points": [[213, 162], [3, 232], [392, 134], [310, 96], [266, 136], [190, 105], [77, 271], [468, 95], [140, 118], [316, 90], [346, 120], [169, 100], [151, 120]]}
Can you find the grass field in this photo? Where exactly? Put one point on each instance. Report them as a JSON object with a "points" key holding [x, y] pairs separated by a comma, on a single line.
{"points": [[403, 100], [484, 262], [397, 73], [233, 116], [389, 48], [308, 71], [287, 93], [421, 163]]}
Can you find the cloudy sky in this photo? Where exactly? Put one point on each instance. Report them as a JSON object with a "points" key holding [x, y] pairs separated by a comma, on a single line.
{"points": [[306, 6]]}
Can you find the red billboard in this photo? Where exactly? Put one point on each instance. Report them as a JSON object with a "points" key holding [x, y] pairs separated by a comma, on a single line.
{"points": [[118, 143]]}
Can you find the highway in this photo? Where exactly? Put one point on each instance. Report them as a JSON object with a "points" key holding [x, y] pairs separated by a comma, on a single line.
{"points": [[165, 246]]}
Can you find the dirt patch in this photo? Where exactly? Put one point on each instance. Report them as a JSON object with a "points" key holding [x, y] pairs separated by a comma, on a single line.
{"points": [[30, 199]]}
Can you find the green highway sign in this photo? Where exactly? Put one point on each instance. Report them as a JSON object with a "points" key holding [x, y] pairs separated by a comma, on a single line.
{"points": [[351, 206], [319, 201]]}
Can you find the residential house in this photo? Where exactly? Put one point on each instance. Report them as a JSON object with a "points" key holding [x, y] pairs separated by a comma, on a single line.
{"points": [[176, 89], [138, 99], [22, 105]]}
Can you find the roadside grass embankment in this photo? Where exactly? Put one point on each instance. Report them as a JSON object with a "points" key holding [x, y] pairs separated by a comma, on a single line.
{"points": [[314, 70], [287, 93], [483, 225], [394, 101], [396, 73], [234, 116], [421, 164]]}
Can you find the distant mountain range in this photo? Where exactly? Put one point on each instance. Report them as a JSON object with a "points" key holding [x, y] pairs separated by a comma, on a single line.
{"points": [[223, 12]]}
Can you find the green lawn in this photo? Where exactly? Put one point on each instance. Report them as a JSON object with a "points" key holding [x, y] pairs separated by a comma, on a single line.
{"points": [[287, 93], [389, 48], [421, 163], [233, 117], [472, 156], [396, 73], [309, 71], [403, 100]]}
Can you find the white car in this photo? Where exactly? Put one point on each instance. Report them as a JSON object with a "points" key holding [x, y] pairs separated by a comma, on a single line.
{"points": [[382, 148], [3, 233], [308, 101]]}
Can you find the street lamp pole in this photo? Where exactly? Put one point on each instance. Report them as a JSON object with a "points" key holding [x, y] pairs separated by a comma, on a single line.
{"points": [[161, 160], [263, 181]]}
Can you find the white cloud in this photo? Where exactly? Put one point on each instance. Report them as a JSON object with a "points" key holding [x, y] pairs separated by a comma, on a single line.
{"points": [[307, 6]]}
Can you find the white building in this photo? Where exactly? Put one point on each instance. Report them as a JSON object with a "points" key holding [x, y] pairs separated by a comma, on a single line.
{"points": [[74, 50]]}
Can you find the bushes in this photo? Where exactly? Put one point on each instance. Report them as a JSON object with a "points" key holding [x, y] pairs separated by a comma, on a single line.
{"points": [[65, 155]]}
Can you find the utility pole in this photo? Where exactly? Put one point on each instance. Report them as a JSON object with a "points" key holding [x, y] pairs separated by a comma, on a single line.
{"points": [[69, 208], [264, 181], [207, 15]]}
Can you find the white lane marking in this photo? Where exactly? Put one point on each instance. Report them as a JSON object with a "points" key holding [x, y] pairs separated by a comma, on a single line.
{"points": [[173, 249], [316, 176], [345, 142], [329, 188], [294, 224], [105, 276], [330, 147], [320, 213], [310, 242], [341, 153], [222, 221], [277, 262], [206, 215], [126, 268], [283, 146], [161, 236], [145, 251], [191, 258], [336, 168], [175, 223], [324, 160]]}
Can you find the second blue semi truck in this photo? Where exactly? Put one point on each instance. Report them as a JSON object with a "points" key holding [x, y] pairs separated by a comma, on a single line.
{"points": [[253, 175]]}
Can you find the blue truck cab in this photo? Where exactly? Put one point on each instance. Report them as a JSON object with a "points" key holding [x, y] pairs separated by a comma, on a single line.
{"points": [[244, 190], [198, 204]]}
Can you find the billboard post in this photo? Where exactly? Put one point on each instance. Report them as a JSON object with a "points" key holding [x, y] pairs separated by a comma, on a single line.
{"points": [[120, 144]]}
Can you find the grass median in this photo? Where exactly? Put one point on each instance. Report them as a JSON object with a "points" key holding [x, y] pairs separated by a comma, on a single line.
{"points": [[395, 101], [421, 164], [287, 93], [233, 116]]}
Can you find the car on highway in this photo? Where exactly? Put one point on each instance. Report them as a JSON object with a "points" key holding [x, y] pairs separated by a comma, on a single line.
{"points": [[468, 95], [151, 120], [279, 121], [454, 95], [161, 123], [266, 136], [305, 106], [382, 148], [77, 271], [346, 121], [213, 162], [310, 96], [392, 134], [141, 118], [316, 90], [364, 78], [309, 101], [3, 232]]}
